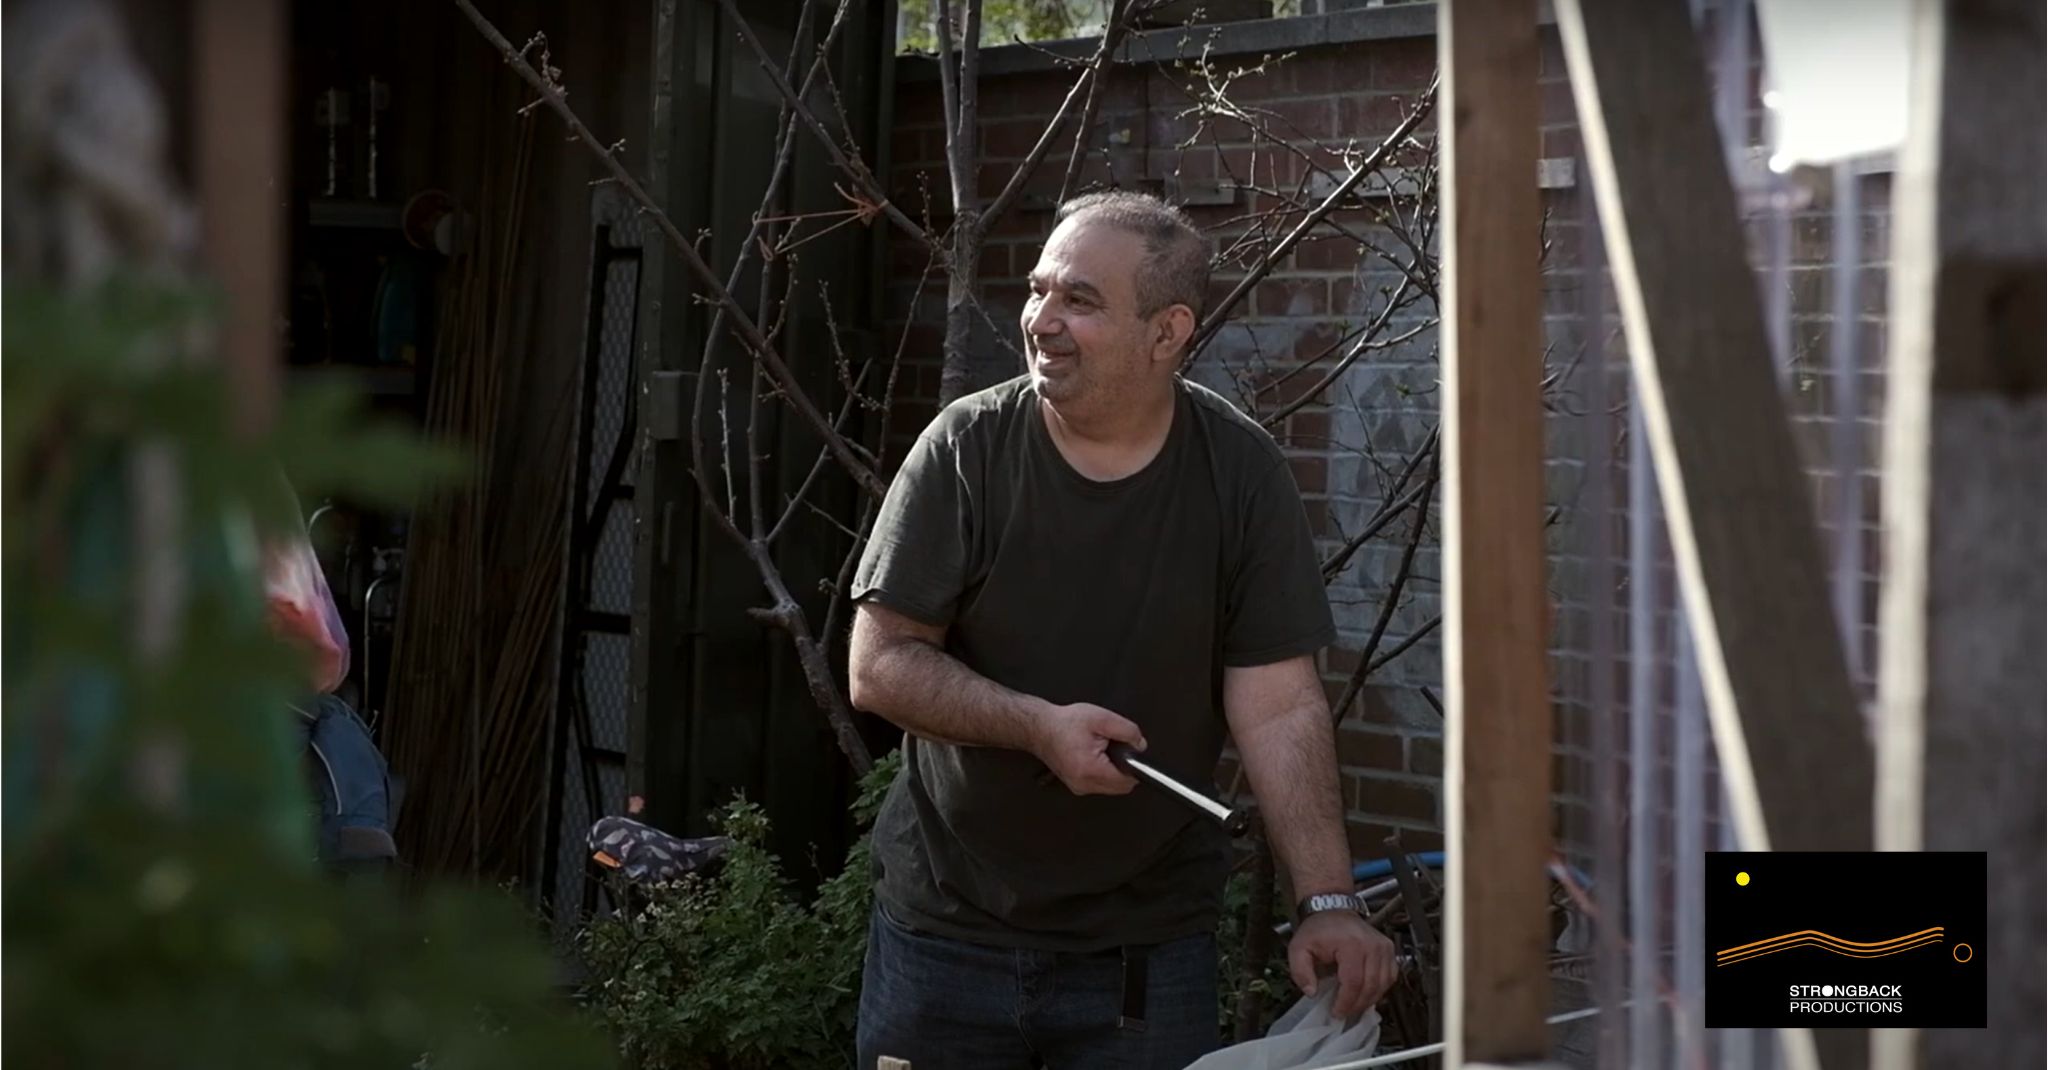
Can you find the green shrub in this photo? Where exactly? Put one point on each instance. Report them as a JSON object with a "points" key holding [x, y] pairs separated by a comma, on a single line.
{"points": [[733, 972]]}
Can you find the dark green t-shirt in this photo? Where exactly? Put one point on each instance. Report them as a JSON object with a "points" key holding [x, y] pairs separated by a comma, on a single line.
{"points": [[1131, 594]]}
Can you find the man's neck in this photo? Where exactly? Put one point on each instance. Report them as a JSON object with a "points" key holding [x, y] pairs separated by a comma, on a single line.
{"points": [[1109, 445], [1126, 423]]}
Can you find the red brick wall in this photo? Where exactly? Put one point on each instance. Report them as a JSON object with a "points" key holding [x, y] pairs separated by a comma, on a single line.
{"points": [[1327, 97]]}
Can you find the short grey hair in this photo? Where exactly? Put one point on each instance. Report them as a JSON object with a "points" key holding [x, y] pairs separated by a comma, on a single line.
{"points": [[1176, 255]]}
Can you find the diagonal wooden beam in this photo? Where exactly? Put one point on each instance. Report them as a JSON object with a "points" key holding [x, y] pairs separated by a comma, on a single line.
{"points": [[1497, 717], [1785, 717], [1791, 740]]}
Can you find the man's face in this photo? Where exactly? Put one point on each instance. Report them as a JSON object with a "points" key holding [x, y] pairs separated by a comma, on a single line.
{"points": [[1084, 339]]}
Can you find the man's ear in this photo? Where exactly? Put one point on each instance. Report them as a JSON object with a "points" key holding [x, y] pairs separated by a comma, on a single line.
{"points": [[1171, 331]]}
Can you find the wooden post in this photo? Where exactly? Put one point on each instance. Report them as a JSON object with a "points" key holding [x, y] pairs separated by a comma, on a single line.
{"points": [[239, 49], [1961, 694], [1497, 714]]}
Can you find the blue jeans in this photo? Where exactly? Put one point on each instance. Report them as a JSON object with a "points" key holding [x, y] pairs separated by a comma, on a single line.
{"points": [[944, 1004]]}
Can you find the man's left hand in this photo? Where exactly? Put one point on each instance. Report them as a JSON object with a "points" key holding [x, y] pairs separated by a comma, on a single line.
{"points": [[1361, 957]]}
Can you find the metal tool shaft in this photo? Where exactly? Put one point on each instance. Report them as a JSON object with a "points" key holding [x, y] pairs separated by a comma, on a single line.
{"points": [[1128, 760]]}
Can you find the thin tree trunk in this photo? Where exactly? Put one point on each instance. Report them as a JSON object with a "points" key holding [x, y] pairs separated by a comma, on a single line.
{"points": [[962, 374]]}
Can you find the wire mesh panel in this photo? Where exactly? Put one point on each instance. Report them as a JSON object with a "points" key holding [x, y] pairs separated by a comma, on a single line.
{"points": [[611, 561], [590, 736], [605, 665]]}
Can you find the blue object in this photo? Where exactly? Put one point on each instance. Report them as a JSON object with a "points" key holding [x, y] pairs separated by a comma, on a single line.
{"points": [[357, 804], [1380, 868]]}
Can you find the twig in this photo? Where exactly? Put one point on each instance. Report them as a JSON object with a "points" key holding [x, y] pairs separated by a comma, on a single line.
{"points": [[1343, 365], [852, 167], [1214, 318], [1335, 565], [1112, 36], [1367, 663], [742, 325]]}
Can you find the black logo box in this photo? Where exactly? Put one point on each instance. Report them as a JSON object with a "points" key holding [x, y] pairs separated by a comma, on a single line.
{"points": [[1888, 899]]}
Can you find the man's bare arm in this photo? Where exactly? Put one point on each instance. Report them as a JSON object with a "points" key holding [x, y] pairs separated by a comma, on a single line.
{"points": [[899, 669], [1280, 721]]}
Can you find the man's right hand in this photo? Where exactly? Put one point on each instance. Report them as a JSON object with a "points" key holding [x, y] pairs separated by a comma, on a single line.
{"points": [[1074, 743]]}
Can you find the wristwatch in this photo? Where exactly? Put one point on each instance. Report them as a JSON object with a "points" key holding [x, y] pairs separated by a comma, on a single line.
{"points": [[1317, 904]]}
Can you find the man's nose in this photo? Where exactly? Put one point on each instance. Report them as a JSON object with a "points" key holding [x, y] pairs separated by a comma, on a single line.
{"points": [[1040, 320]]}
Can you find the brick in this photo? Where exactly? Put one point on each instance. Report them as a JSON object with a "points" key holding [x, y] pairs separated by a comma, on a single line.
{"points": [[1370, 118], [1311, 474], [1292, 297], [1033, 95], [1185, 164], [1397, 799], [1367, 749], [1309, 428], [1403, 64], [908, 145], [920, 106], [1316, 72], [1426, 755], [1294, 120], [995, 261], [1368, 839], [1010, 139], [1023, 222], [1332, 253]]}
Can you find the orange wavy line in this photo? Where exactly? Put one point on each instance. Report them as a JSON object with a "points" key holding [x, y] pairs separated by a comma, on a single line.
{"points": [[1828, 947], [1832, 939]]}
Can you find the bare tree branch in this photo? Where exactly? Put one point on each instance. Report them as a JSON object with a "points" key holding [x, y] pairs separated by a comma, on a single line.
{"points": [[1371, 164], [949, 97], [1367, 663], [852, 167], [1334, 567], [742, 325], [1363, 344]]}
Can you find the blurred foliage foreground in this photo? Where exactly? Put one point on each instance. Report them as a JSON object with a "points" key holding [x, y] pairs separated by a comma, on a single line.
{"points": [[162, 903]]}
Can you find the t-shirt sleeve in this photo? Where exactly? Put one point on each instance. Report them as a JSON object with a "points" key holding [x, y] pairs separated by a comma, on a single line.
{"points": [[916, 559], [1275, 607]]}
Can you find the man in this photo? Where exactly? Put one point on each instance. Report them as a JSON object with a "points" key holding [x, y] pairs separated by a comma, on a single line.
{"points": [[1096, 552]]}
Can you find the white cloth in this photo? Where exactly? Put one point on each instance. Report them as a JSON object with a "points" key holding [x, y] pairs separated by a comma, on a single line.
{"points": [[1309, 1035]]}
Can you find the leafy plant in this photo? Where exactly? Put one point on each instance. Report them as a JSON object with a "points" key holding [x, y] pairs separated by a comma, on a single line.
{"points": [[1273, 983], [732, 971], [163, 907]]}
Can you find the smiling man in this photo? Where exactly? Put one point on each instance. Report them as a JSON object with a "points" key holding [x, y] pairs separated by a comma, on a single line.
{"points": [[1098, 551]]}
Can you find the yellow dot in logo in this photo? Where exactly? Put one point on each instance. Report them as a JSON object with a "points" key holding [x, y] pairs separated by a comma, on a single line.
{"points": [[1742, 879]]}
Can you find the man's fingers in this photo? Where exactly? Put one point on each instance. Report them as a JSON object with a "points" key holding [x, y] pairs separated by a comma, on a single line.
{"points": [[1302, 966], [1122, 729], [1351, 980]]}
